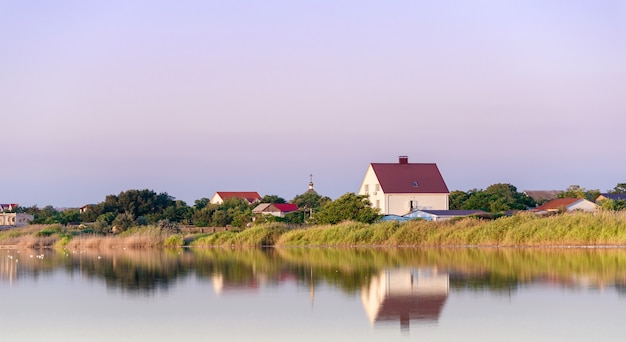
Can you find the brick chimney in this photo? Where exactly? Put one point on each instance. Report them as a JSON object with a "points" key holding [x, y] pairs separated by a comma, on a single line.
{"points": [[403, 160]]}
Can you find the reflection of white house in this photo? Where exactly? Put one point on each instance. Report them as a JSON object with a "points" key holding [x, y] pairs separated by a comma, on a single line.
{"points": [[406, 294], [221, 196], [220, 285], [399, 188], [15, 219]]}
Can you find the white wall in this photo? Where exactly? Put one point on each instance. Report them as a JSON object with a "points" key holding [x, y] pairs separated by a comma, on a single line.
{"points": [[398, 204]]}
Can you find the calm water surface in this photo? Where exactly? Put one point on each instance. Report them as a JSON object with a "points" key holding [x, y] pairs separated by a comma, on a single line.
{"points": [[313, 295]]}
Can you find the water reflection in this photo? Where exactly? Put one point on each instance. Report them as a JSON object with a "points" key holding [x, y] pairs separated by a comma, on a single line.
{"points": [[406, 294], [401, 286]]}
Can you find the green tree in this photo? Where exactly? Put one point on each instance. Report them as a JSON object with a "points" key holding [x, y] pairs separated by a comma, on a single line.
{"points": [[620, 188], [456, 199], [347, 207], [123, 221], [576, 191], [272, 199]]}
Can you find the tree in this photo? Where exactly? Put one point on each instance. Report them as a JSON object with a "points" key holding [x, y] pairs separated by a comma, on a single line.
{"points": [[496, 198], [620, 188], [576, 191], [310, 200], [272, 199], [347, 207], [456, 199], [123, 222]]}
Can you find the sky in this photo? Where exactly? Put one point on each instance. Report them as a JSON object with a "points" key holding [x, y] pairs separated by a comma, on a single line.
{"points": [[193, 97]]}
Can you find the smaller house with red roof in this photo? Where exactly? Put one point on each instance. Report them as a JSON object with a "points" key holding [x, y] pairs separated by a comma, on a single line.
{"points": [[276, 209], [403, 187], [566, 204], [8, 206], [221, 196]]}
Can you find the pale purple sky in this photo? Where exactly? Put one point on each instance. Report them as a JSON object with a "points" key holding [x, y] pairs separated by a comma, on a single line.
{"points": [[193, 97]]}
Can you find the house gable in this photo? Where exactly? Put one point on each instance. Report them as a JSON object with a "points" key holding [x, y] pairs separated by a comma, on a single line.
{"points": [[221, 196], [399, 188]]}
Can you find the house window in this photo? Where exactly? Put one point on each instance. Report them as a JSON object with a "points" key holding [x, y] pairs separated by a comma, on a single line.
{"points": [[377, 203], [415, 185], [377, 187], [367, 189], [412, 205]]}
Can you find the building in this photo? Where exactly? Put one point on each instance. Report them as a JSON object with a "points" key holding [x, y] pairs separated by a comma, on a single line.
{"points": [[400, 188], [542, 196], [8, 206], [612, 197], [276, 209], [566, 204], [15, 219], [442, 215], [221, 196]]}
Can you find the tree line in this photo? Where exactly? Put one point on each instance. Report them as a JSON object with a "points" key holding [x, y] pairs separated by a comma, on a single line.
{"points": [[146, 207]]}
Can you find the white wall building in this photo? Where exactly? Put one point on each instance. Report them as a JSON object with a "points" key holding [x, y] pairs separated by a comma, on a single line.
{"points": [[15, 219], [400, 188]]}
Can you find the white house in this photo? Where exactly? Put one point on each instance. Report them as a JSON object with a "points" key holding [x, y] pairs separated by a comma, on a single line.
{"points": [[567, 204], [221, 196], [15, 219], [276, 209], [400, 188]]}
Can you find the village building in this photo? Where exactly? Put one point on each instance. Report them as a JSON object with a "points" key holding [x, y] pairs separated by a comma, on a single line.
{"points": [[275, 209], [15, 219], [612, 197], [221, 196], [566, 204], [542, 196], [8, 206], [403, 187]]}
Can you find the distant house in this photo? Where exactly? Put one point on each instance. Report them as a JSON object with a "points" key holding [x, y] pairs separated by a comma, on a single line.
{"points": [[400, 188], [221, 196], [542, 196], [566, 204], [442, 215], [8, 206], [276, 209], [613, 197], [85, 208], [15, 219]]}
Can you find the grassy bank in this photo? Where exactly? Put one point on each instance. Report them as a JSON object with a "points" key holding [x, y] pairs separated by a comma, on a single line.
{"points": [[577, 229]]}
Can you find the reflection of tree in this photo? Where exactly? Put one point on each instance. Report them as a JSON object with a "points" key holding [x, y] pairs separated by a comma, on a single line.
{"points": [[145, 270]]}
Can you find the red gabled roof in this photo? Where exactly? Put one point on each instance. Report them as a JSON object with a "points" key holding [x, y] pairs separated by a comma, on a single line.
{"points": [[557, 203], [251, 196], [401, 178], [286, 207]]}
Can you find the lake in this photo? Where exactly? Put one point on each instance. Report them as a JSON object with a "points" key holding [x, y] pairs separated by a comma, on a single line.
{"points": [[313, 294]]}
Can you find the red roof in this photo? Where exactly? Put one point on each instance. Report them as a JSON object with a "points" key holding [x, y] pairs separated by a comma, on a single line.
{"points": [[410, 178], [286, 207], [251, 196], [557, 203]]}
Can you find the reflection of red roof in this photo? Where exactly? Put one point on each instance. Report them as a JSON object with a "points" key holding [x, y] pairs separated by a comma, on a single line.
{"points": [[405, 308], [557, 203], [409, 178], [286, 207], [251, 196]]}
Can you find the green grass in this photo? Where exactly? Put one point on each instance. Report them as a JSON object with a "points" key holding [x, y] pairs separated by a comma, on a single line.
{"points": [[576, 229]]}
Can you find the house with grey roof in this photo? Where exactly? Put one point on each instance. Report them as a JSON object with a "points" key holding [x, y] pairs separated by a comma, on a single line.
{"points": [[403, 187]]}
